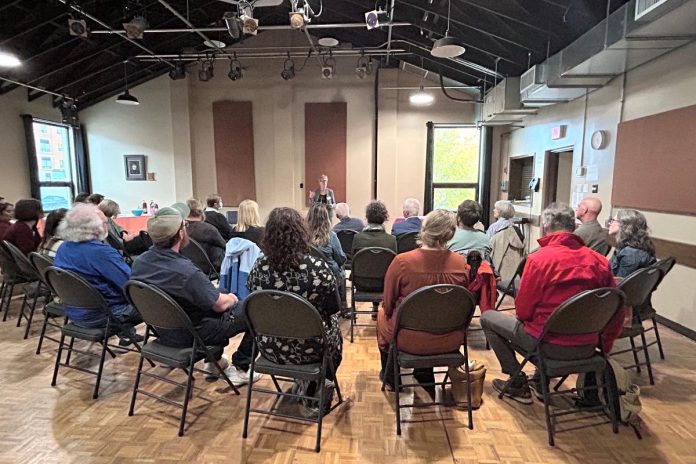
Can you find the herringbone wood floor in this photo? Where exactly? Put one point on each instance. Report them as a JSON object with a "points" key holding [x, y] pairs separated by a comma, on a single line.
{"points": [[42, 424]]}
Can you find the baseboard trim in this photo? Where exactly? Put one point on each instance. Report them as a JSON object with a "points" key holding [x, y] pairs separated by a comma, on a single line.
{"points": [[680, 329]]}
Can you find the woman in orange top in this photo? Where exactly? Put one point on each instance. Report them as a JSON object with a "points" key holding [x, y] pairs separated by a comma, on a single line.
{"points": [[431, 264]]}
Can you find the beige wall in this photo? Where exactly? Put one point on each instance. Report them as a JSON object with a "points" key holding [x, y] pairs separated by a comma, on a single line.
{"points": [[13, 152], [664, 84]]}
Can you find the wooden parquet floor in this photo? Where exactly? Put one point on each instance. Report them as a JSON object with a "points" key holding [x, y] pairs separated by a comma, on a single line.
{"points": [[44, 424]]}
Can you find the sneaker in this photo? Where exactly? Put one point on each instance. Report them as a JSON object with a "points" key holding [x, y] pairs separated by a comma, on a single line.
{"points": [[535, 387], [212, 371], [239, 377], [126, 341], [518, 390]]}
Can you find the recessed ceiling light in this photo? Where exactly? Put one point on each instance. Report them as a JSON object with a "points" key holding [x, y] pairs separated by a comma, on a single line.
{"points": [[212, 43], [328, 42], [8, 60]]}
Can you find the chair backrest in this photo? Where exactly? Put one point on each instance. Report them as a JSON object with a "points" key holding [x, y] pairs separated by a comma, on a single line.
{"points": [[20, 259], [40, 263], [664, 265], [407, 242], [74, 290], [369, 267], [282, 314], [520, 267], [440, 309], [157, 309], [639, 285], [587, 312], [345, 238], [195, 252]]}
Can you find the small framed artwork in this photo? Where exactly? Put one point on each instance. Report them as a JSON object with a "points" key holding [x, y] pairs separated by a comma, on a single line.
{"points": [[135, 167]]}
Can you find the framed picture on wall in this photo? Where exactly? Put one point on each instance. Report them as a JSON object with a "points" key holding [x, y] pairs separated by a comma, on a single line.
{"points": [[135, 167]]}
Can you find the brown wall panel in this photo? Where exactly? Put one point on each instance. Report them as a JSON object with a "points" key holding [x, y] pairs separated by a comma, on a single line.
{"points": [[233, 129], [655, 164], [325, 146]]}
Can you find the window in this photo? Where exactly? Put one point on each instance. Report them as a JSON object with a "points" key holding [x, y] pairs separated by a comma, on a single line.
{"points": [[43, 129], [45, 163], [44, 146], [521, 172], [452, 165]]}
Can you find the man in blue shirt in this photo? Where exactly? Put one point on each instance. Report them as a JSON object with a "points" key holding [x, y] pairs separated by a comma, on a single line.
{"points": [[412, 223], [84, 253], [345, 221]]}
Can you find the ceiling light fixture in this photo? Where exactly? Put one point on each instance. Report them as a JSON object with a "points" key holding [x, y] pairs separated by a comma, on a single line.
{"points": [[235, 69], [328, 69], [179, 72], [288, 71], [421, 98], [126, 98], [8, 60], [448, 46], [233, 23], [363, 67], [135, 28], [328, 42], [206, 73], [212, 43]]}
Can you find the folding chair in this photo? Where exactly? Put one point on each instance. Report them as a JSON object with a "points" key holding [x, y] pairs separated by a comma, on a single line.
{"points": [[195, 252], [75, 291], [345, 238], [647, 311], [52, 310], [160, 311], [637, 288], [510, 287], [117, 244], [367, 280], [11, 276], [436, 309], [590, 311], [407, 242], [272, 313]]}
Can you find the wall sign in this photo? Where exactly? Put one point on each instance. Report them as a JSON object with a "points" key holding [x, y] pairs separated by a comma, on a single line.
{"points": [[558, 132]]}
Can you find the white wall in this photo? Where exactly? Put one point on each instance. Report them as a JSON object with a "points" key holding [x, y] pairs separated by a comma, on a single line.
{"points": [[661, 85]]}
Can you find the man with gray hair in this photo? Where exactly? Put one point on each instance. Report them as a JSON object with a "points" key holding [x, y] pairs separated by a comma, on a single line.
{"points": [[591, 231], [412, 222], [345, 222], [84, 252], [560, 269]]}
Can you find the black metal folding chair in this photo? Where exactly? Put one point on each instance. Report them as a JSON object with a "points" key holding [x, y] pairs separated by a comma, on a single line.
{"points": [[590, 311], [271, 313], [31, 294], [195, 252], [367, 280], [436, 309], [160, 311], [11, 277], [345, 238], [647, 311], [510, 287], [75, 291], [52, 310], [407, 242], [637, 288]]}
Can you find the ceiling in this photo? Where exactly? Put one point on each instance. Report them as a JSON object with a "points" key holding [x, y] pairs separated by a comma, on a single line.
{"points": [[502, 35]]}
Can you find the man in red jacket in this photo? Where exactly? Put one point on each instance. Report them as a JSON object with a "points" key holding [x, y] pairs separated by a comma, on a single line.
{"points": [[560, 269]]}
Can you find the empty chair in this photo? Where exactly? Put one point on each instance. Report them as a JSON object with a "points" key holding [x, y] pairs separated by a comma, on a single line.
{"points": [[31, 294], [160, 311], [11, 277], [407, 242], [367, 279], [345, 238], [436, 309], [591, 311], [52, 310], [646, 311], [637, 288], [297, 320], [195, 252]]}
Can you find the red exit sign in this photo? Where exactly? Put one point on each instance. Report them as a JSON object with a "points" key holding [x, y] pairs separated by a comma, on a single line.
{"points": [[558, 132]]}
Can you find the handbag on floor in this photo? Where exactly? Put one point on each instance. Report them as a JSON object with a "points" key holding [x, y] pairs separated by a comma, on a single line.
{"points": [[477, 374]]}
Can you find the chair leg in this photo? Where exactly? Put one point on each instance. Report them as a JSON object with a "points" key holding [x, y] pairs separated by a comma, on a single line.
{"points": [[352, 312], [70, 348], [659, 340], [31, 316], [100, 369], [2, 294], [336, 386], [610, 385], [21, 309], [547, 400], [136, 385], [9, 301], [245, 429], [468, 387], [386, 369], [646, 352], [60, 352], [397, 387], [322, 399], [43, 333], [635, 355], [187, 396]]}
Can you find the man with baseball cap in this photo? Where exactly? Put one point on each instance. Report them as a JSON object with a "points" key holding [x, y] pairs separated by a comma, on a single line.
{"points": [[215, 315]]}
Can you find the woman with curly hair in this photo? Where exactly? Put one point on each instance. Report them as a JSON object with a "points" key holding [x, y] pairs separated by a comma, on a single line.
{"points": [[286, 265], [324, 239], [634, 248]]}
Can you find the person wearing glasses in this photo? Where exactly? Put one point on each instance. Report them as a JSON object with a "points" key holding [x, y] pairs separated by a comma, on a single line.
{"points": [[634, 248]]}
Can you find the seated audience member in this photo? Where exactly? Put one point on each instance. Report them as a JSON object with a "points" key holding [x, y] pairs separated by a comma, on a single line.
{"points": [[591, 231], [430, 264], [23, 233], [51, 240], [326, 241], [560, 269], [248, 222], [634, 248], [373, 235], [134, 244], [217, 219], [84, 228], [216, 316], [466, 238], [345, 222], [81, 198], [412, 222], [6, 215], [205, 234], [287, 265], [503, 211], [95, 198]]}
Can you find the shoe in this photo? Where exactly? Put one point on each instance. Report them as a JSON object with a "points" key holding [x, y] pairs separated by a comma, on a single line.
{"points": [[535, 387], [388, 383], [212, 372], [518, 390], [126, 341], [239, 377], [309, 409]]}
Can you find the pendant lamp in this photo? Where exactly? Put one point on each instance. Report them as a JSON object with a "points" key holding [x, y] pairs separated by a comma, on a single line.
{"points": [[126, 98], [448, 46]]}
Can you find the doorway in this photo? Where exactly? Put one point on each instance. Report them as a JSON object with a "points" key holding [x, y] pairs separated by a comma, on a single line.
{"points": [[559, 174]]}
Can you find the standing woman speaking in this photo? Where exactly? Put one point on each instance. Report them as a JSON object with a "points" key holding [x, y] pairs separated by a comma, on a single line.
{"points": [[324, 195]]}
